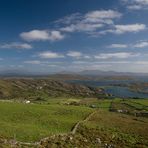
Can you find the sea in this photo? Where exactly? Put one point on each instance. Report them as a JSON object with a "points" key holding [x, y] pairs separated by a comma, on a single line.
{"points": [[110, 87]]}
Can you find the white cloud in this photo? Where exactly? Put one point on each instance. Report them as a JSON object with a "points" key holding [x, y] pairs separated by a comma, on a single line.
{"points": [[87, 57], [78, 55], [16, 45], [100, 62], [118, 55], [141, 44], [82, 27], [120, 29], [134, 7], [90, 21], [42, 35], [108, 62], [142, 62], [49, 54], [35, 35], [74, 54], [136, 4], [117, 46], [32, 62], [43, 63], [103, 14], [142, 2]]}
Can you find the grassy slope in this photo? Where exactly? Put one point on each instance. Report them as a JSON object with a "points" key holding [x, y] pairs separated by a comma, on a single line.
{"points": [[32, 122], [132, 106], [103, 104], [141, 101], [118, 129], [111, 128], [43, 89]]}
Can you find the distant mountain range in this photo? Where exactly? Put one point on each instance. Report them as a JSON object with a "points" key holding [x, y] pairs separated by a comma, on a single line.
{"points": [[104, 73], [23, 73], [14, 73], [20, 73]]}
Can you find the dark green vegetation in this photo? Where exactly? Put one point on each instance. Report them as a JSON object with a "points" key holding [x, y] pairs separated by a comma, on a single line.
{"points": [[43, 89]]}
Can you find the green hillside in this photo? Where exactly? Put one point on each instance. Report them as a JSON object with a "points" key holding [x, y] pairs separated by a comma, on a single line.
{"points": [[42, 89]]}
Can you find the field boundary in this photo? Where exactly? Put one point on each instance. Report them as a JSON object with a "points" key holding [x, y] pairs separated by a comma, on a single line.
{"points": [[73, 131]]}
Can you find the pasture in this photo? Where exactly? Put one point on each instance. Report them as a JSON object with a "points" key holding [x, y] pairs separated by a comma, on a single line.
{"points": [[31, 122]]}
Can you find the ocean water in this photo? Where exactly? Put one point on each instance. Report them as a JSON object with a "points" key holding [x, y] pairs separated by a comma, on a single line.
{"points": [[116, 91], [124, 92]]}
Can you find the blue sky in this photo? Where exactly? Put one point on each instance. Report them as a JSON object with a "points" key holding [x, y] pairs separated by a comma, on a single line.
{"points": [[73, 35]]}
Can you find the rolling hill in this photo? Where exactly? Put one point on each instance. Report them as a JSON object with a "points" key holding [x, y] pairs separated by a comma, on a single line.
{"points": [[43, 88]]}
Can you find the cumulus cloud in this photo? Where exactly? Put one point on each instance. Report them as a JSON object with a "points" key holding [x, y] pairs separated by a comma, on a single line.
{"points": [[118, 55], [50, 55], [42, 35], [93, 23], [16, 46], [142, 62], [43, 63], [135, 4], [33, 62], [100, 62], [117, 46], [134, 7], [82, 27], [74, 54], [141, 44], [102, 14], [121, 29], [90, 21]]}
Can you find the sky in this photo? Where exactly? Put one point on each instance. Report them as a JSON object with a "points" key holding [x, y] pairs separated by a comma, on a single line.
{"points": [[46, 36]]}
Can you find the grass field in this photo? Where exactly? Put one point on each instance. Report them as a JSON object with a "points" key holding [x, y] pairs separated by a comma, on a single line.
{"points": [[106, 129], [31, 122], [141, 101], [117, 129], [98, 103], [130, 106], [137, 105]]}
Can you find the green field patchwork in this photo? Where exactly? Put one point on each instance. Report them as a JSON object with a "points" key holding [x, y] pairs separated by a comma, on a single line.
{"points": [[31, 122]]}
